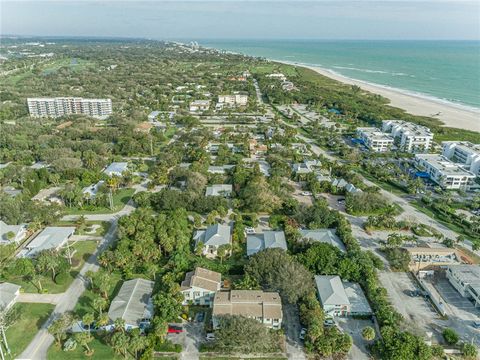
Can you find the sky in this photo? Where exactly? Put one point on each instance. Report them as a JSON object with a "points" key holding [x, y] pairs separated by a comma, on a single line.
{"points": [[248, 19]]}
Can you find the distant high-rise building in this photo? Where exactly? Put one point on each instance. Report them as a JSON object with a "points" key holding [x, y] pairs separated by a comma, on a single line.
{"points": [[60, 106]]}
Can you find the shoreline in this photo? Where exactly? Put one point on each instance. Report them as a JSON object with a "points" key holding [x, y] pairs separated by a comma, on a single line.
{"points": [[450, 114]]}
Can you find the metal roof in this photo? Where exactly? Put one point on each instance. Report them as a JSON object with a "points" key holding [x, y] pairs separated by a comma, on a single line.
{"points": [[133, 302]]}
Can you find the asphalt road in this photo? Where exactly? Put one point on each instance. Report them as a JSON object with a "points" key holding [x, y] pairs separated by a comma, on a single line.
{"points": [[38, 347]]}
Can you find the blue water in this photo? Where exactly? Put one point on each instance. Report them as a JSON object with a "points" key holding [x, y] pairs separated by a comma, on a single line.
{"points": [[447, 70]]}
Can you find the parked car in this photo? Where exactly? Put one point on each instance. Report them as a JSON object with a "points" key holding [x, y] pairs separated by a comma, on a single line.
{"points": [[175, 329], [210, 337], [303, 332], [476, 324], [200, 317], [250, 230], [329, 322], [306, 193], [341, 201]]}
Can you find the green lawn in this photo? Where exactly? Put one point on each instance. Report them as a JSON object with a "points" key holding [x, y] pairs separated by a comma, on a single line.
{"points": [[83, 250], [30, 319], [100, 231], [73, 64], [420, 206], [120, 199], [102, 351], [84, 304]]}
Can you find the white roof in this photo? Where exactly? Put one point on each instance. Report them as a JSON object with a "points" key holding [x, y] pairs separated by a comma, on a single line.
{"points": [[266, 240], [116, 168], [49, 238], [358, 301], [214, 235], [8, 294], [92, 189], [5, 229], [330, 290], [218, 190], [327, 236], [444, 166], [133, 302]]}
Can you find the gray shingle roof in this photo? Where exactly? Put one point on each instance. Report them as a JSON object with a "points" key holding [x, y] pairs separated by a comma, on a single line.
{"points": [[330, 290], [8, 294], [51, 237], [214, 235], [266, 240], [327, 236], [133, 302]]}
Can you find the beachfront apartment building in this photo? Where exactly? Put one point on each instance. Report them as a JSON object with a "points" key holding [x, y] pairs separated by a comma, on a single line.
{"points": [[265, 307], [444, 172], [408, 136], [463, 152], [60, 106], [236, 99], [374, 139]]}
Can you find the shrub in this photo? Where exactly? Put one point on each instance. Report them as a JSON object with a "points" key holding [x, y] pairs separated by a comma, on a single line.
{"points": [[450, 336]]}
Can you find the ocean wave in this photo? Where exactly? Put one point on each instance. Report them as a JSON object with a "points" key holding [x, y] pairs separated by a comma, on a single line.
{"points": [[372, 71]]}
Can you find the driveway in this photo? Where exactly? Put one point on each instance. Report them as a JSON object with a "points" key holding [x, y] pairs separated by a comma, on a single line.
{"points": [[190, 340], [39, 298], [292, 327], [354, 327]]}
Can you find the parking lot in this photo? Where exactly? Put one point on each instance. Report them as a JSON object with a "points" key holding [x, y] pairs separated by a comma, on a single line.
{"points": [[418, 313], [460, 311]]}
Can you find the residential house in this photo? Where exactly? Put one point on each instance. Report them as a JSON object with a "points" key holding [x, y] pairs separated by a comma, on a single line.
{"points": [[212, 238], [265, 307], [91, 191], [133, 304], [199, 105], [116, 169], [266, 240], [306, 167], [51, 238], [219, 169], [200, 286], [332, 295], [12, 233], [219, 190], [8, 295], [327, 236], [341, 298]]}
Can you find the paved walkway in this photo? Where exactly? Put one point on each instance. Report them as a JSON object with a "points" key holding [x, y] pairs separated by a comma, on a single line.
{"points": [[39, 298]]}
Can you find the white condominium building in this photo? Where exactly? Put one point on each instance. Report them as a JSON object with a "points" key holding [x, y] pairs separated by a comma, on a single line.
{"points": [[60, 106], [444, 172], [463, 152], [411, 137], [374, 139], [234, 99]]}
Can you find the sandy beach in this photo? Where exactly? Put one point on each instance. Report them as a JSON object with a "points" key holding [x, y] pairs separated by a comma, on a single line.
{"points": [[451, 115]]}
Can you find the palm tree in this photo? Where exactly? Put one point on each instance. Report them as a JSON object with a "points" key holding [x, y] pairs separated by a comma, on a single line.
{"points": [[119, 325], [99, 303], [103, 320], [137, 342], [84, 338], [120, 343], [88, 319]]}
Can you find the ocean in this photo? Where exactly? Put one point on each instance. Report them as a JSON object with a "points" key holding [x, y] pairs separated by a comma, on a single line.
{"points": [[444, 70]]}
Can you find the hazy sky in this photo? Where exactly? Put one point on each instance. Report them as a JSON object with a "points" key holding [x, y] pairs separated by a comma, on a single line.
{"points": [[339, 19]]}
